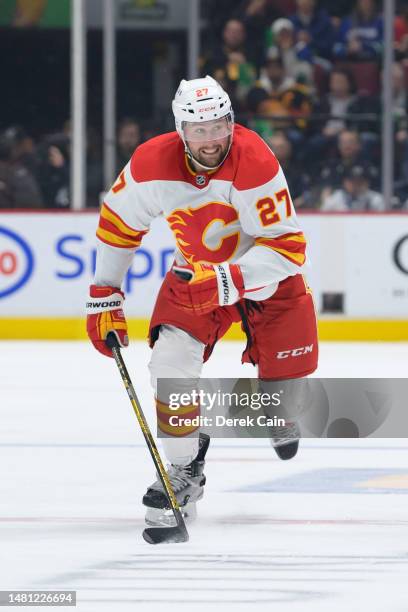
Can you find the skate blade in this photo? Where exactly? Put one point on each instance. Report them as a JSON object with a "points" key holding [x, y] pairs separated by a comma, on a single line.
{"points": [[168, 535], [159, 517], [283, 442]]}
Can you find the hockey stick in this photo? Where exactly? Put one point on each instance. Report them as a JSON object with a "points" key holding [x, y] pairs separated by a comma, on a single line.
{"points": [[153, 535]]}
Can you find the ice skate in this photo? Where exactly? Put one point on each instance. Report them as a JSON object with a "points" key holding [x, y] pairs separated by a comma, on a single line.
{"points": [[285, 440], [188, 484]]}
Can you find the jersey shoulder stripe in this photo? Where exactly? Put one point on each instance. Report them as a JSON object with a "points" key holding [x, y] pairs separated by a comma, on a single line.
{"points": [[291, 246], [114, 231]]}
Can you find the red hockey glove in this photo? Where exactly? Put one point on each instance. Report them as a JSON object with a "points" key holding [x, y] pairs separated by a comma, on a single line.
{"points": [[104, 315], [204, 287]]}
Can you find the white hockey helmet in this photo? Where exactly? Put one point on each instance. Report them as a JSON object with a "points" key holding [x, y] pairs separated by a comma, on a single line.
{"points": [[202, 100]]}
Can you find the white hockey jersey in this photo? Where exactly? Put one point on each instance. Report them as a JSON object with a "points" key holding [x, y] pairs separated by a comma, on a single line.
{"points": [[240, 213]]}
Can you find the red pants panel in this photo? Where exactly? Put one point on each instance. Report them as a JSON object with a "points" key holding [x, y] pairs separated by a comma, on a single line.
{"points": [[281, 331]]}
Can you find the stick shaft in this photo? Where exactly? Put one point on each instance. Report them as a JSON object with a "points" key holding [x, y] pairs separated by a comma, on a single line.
{"points": [[147, 435]]}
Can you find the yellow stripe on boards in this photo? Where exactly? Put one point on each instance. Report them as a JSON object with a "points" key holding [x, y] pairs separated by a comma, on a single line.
{"points": [[381, 330]]}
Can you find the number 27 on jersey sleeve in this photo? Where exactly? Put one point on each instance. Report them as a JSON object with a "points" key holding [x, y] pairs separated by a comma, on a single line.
{"points": [[268, 207], [120, 183]]}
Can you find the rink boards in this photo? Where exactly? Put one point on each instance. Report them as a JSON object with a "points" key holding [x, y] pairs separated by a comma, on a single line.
{"points": [[358, 272]]}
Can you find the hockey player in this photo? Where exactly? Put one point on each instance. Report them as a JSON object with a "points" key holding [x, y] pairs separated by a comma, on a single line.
{"points": [[240, 253]]}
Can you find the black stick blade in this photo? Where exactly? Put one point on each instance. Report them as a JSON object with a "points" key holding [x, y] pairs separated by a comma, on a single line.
{"points": [[165, 535]]}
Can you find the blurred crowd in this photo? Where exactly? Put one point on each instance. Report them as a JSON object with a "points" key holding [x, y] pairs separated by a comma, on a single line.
{"points": [[306, 75], [36, 174]]}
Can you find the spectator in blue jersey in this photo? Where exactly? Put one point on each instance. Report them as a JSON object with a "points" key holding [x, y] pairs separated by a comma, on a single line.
{"points": [[360, 36], [313, 28]]}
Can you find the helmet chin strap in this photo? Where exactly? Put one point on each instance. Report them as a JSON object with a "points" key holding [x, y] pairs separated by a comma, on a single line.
{"points": [[195, 161]]}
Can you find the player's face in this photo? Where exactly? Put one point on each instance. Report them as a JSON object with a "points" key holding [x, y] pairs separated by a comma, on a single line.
{"points": [[208, 141]]}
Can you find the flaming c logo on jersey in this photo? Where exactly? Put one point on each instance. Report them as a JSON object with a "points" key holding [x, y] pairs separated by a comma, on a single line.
{"points": [[191, 225]]}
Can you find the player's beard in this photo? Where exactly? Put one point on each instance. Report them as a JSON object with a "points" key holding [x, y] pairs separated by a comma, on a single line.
{"points": [[214, 157]]}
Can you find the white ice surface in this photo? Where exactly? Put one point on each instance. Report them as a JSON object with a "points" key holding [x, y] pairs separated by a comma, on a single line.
{"points": [[73, 468]]}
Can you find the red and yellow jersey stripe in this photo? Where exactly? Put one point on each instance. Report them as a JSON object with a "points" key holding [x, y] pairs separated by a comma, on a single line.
{"points": [[291, 246], [114, 231]]}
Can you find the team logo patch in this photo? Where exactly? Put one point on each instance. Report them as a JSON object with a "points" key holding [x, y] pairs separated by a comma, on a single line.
{"points": [[200, 180], [190, 227]]}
